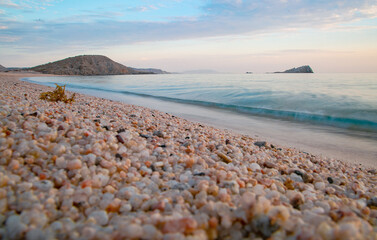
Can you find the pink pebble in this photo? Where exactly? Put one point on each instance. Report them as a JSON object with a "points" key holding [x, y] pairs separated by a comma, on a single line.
{"points": [[75, 164]]}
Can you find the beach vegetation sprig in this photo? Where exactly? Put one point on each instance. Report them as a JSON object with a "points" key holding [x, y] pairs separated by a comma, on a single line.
{"points": [[57, 95]]}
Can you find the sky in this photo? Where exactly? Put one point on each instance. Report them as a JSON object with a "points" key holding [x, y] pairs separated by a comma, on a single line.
{"points": [[230, 36]]}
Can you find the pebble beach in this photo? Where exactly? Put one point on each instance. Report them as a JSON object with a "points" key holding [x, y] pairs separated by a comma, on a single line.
{"points": [[101, 169]]}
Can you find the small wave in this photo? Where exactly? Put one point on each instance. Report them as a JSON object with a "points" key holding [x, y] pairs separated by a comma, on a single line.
{"points": [[348, 123]]}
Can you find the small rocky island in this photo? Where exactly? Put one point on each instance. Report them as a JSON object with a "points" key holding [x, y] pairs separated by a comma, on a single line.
{"points": [[302, 69], [89, 65]]}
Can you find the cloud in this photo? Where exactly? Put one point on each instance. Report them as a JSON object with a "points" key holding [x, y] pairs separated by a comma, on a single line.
{"points": [[8, 39], [142, 8], [9, 4], [90, 17], [370, 11], [27, 4], [219, 18]]}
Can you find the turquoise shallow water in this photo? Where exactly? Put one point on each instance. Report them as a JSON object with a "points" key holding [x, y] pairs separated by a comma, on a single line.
{"points": [[347, 101]]}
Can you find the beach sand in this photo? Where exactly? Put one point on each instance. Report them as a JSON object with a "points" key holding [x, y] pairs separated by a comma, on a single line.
{"points": [[99, 168]]}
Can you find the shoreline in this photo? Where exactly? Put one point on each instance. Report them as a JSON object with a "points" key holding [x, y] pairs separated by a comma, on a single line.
{"points": [[326, 141], [101, 168]]}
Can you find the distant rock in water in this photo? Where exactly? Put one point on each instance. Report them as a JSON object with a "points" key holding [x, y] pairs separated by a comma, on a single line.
{"points": [[85, 65], [302, 69], [3, 69]]}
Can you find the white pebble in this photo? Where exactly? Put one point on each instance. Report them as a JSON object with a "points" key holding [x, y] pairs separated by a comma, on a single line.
{"points": [[14, 227], [59, 149], [255, 167], [319, 185], [100, 217], [127, 192], [150, 232], [60, 162], [44, 185], [133, 231]]}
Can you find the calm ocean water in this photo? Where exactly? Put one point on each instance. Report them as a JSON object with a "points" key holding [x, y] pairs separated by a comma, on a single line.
{"points": [[347, 101]]}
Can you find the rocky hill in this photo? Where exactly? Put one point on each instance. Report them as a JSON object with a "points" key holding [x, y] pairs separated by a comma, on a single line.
{"points": [[302, 69], [3, 69], [86, 65]]}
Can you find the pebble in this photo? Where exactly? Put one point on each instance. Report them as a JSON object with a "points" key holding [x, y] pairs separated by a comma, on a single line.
{"points": [[59, 149], [260, 144], [224, 157], [330, 180], [158, 134], [44, 185], [36, 234], [372, 203], [14, 227], [74, 164], [101, 217], [319, 185], [150, 232], [133, 231], [263, 226], [100, 169]]}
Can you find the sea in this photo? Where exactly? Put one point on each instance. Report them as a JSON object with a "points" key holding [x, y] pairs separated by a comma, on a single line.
{"points": [[334, 115]]}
